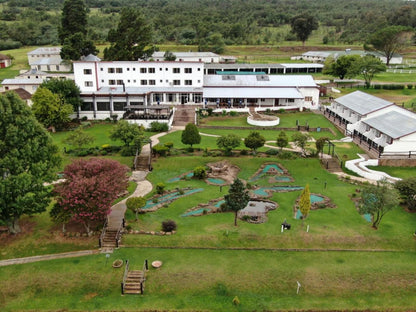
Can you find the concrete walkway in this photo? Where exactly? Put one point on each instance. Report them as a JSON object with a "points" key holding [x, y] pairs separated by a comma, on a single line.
{"points": [[48, 257]]}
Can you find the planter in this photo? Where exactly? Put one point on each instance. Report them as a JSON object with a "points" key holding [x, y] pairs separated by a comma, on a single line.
{"points": [[118, 263], [156, 264]]}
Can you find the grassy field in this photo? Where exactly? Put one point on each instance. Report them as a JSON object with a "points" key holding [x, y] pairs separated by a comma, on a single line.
{"points": [[208, 280]]}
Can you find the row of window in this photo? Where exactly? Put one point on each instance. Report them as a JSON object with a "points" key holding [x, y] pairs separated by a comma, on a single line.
{"points": [[143, 70], [143, 82]]}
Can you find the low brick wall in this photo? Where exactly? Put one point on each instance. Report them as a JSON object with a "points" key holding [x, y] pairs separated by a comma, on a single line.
{"points": [[409, 162]]}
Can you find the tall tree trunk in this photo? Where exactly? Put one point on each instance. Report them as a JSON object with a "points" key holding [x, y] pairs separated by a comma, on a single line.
{"points": [[235, 218], [87, 228], [137, 212], [13, 225]]}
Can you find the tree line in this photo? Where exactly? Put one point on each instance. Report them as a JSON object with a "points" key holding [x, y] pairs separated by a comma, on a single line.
{"points": [[30, 22]]}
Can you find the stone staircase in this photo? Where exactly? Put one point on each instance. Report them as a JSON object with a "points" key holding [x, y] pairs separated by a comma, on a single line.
{"points": [[184, 115], [134, 284], [331, 164]]}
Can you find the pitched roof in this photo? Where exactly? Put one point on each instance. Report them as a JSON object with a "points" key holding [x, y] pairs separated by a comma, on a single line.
{"points": [[22, 93], [394, 124], [4, 57], [362, 103]]}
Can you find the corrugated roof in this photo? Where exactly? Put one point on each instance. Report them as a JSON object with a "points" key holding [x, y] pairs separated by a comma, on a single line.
{"points": [[252, 93], [252, 81], [35, 81], [362, 103], [46, 50], [185, 54], [394, 124]]}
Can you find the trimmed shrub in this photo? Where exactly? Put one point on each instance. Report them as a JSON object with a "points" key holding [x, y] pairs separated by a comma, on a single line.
{"points": [[233, 113], [160, 150], [159, 127], [128, 151], [272, 152], [168, 226], [160, 188], [169, 145], [200, 172], [243, 152]]}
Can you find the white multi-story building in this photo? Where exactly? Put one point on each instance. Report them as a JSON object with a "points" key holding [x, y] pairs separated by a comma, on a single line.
{"points": [[204, 57], [112, 88], [146, 90]]}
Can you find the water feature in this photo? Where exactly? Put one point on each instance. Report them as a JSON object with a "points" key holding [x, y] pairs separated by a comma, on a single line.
{"points": [[265, 171], [178, 178], [196, 212], [169, 197], [316, 198], [264, 191], [282, 179], [367, 217], [216, 181]]}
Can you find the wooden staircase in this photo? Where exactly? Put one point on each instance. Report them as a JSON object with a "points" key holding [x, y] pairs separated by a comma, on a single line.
{"points": [[109, 238], [133, 281], [134, 284]]}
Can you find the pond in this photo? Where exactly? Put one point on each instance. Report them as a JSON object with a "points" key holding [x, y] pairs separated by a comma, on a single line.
{"points": [[169, 197], [264, 191]]}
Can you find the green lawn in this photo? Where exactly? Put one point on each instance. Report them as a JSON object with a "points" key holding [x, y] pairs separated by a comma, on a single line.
{"points": [[208, 280], [399, 172]]}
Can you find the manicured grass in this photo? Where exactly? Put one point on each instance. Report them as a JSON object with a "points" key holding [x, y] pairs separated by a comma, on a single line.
{"points": [[195, 279], [399, 172], [341, 227], [19, 62]]}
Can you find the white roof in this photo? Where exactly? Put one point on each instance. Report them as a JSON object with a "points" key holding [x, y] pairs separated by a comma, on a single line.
{"points": [[394, 124], [90, 58], [302, 65], [252, 93], [241, 80], [36, 81], [186, 54], [362, 103], [46, 50]]}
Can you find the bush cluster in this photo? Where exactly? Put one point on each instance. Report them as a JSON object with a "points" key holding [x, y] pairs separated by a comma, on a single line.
{"points": [[391, 86], [168, 226], [158, 127]]}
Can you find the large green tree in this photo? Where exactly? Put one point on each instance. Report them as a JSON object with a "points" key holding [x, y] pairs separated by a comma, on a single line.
{"points": [[302, 26], [73, 20], [367, 67], [191, 135], [237, 198], [130, 134], [407, 189], [73, 31], [67, 90], [49, 109], [228, 142], [391, 40], [377, 200], [28, 158], [132, 39], [341, 66], [254, 141]]}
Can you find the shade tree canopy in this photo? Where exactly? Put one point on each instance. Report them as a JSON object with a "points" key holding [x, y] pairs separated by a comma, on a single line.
{"points": [[28, 158], [237, 198], [302, 26], [90, 187], [132, 40], [391, 40], [228, 142], [377, 200], [254, 141], [49, 109]]}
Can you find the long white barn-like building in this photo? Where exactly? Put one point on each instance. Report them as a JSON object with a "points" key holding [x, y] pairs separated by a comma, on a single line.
{"points": [[151, 89]]}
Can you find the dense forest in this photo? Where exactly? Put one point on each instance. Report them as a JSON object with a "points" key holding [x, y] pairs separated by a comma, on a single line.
{"points": [[34, 22]]}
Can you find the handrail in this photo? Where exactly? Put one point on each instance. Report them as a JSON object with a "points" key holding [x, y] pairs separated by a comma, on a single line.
{"points": [[100, 241], [126, 271]]}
